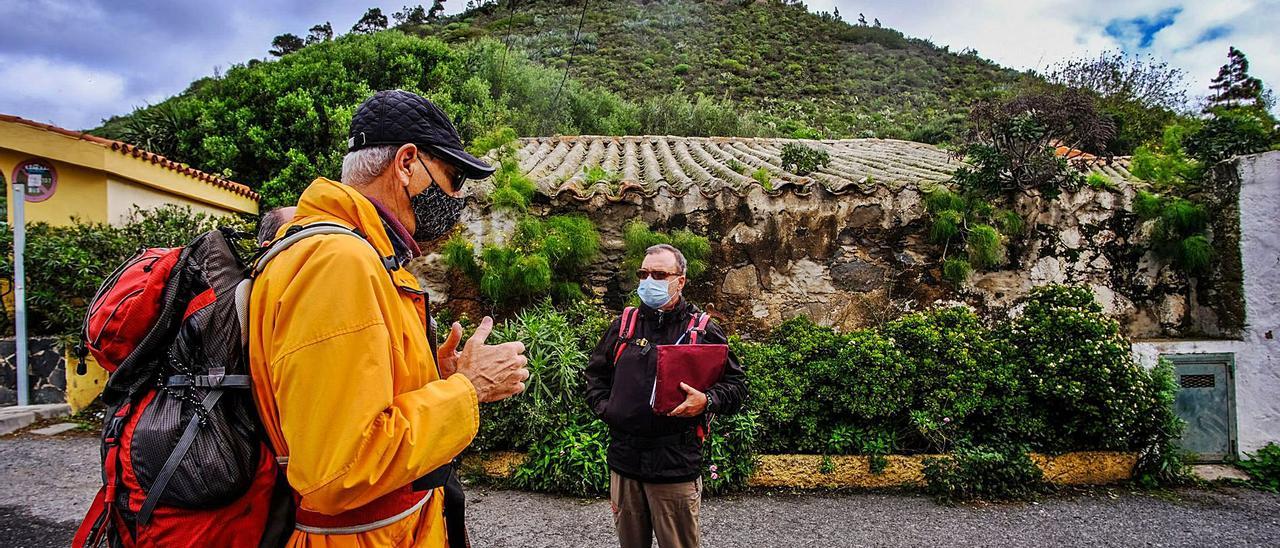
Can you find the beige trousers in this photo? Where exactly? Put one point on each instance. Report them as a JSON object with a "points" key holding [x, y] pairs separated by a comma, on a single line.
{"points": [[668, 511]]}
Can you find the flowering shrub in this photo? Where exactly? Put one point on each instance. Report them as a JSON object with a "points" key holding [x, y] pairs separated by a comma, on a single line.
{"points": [[1081, 382]]}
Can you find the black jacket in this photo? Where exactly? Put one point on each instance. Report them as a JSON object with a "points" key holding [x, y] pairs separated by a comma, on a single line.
{"points": [[645, 446]]}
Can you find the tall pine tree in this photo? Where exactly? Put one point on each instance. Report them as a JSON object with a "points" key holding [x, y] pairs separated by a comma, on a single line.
{"points": [[1233, 87]]}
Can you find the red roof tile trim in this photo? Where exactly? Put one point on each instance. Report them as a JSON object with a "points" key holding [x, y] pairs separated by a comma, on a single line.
{"points": [[131, 150]]}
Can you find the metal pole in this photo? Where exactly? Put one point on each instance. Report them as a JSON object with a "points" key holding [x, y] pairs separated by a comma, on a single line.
{"points": [[20, 290]]}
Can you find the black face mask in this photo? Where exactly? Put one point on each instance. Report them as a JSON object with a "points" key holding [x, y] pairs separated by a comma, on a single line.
{"points": [[434, 211]]}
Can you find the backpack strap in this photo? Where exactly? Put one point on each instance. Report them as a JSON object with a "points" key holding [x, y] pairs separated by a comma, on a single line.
{"points": [[175, 458], [697, 325], [626, 330], [276, 248]]}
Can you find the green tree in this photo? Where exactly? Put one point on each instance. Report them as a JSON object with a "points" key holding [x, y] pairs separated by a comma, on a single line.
{"points": [[1141, 95], [1238, 122], [372, 21], [320, 33], [410, 16], [1233, 86], [437, 8], [285, 44]]}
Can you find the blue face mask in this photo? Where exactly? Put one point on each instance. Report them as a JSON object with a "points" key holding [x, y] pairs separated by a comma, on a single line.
{"points": [[654, 293]]}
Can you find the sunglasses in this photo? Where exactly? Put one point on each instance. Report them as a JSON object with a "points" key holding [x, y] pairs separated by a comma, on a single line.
{"points": [[457, 180], [659, 275]]}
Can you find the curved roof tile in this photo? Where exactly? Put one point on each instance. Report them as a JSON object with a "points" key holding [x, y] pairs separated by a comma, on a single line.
{"points": [[645, 165]]}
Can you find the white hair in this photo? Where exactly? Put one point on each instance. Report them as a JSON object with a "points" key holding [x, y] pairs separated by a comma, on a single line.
{"points": [[364, 165], [655, 249]]}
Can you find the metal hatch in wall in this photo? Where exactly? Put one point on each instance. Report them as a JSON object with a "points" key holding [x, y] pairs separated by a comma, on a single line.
{"points": [[1206, 401]]}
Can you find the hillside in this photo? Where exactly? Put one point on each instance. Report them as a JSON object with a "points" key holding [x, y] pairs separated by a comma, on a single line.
{"points": [[802, 69], [673, 68]]}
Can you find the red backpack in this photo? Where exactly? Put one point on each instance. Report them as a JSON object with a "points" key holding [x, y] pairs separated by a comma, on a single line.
{"points": [[185, 461]]}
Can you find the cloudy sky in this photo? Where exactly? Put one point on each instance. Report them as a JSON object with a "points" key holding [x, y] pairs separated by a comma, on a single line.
{"points": [[74, 62]]}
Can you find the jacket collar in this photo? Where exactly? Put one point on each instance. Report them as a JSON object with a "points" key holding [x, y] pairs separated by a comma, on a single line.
{"points": [[330, 201], [401, 240], [681, 310], [333, 202]]}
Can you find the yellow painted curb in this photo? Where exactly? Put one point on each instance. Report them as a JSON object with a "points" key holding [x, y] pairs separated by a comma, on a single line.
{"points": [[496, 464], [1087, 467], [808, 471], [845, 471]]}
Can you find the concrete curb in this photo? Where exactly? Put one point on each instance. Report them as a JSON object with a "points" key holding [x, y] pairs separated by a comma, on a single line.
{"points": [[846, 471], [16, 417]]}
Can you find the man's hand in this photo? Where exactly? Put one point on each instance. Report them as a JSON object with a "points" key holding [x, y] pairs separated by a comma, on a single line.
{"points": [[695, 403], [497, 372], [447, 354]]}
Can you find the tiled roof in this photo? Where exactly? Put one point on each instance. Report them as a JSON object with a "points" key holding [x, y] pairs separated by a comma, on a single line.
{"points": [[135, 152], [648, 164]]}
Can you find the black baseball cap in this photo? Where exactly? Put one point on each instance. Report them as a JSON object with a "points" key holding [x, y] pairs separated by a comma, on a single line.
{"points": [[396, 117]]}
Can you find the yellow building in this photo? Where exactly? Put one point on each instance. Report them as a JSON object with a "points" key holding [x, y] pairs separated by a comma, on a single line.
{"points": [[71, 174]]}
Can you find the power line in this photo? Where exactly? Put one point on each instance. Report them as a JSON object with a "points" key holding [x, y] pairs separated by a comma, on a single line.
{"points": [[555, 103]]}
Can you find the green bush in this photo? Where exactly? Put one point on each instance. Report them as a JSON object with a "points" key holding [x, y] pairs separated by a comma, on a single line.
{"points": [[960, 385], [803, 160], [1098, 181], [66, 264], [1055, 377], [557, 344], [956, 270], [541, 258], [729, 454], [1231, 132], [764, 177], [1264, 466], [1166, 163], [969, 220], [1083, 386], [570, 459], [1058, 376], [1181, 230], [984, 473], [566, 445], [1160, 461], [638, 237]]}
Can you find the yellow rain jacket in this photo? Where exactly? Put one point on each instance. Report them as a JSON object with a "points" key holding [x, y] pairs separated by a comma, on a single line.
{"points": [[344, 378]]}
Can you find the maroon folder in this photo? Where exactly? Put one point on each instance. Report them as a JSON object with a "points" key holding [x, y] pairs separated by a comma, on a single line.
{"points": [[697, 365]]}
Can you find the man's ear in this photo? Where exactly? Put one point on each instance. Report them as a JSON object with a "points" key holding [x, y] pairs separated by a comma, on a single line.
{"points": [[405, 157]]}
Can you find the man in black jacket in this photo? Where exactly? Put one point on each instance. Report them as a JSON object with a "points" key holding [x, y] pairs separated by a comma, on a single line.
{"points": [[655, 460]]}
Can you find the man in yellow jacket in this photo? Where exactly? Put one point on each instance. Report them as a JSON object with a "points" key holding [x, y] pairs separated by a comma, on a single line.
{"points": [[362, 411]]}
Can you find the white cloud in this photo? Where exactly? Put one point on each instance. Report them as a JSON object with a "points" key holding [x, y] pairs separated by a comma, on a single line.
{"points": [[69, 94], [1035, 34]]}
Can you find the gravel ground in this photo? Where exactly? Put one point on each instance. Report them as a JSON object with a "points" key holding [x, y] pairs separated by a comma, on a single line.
{"points": [[48, 483]]}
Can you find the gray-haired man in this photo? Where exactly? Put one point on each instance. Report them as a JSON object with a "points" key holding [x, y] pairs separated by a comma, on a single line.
{"points": [[656, 460]]}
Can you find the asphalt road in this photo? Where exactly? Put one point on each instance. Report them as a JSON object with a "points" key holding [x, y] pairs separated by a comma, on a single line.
{"points": [[47, 484]]}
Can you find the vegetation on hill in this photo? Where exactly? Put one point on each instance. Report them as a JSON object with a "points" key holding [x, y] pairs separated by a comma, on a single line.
{"points": [[727, 68], [811, 75], [276, 125]]}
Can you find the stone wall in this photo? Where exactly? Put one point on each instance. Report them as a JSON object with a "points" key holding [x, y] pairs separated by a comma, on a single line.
{"points": [[47, 371], [861, 257]]}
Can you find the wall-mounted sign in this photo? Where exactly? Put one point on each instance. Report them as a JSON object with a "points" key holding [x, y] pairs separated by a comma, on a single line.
{"points": [[38, 179]]}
